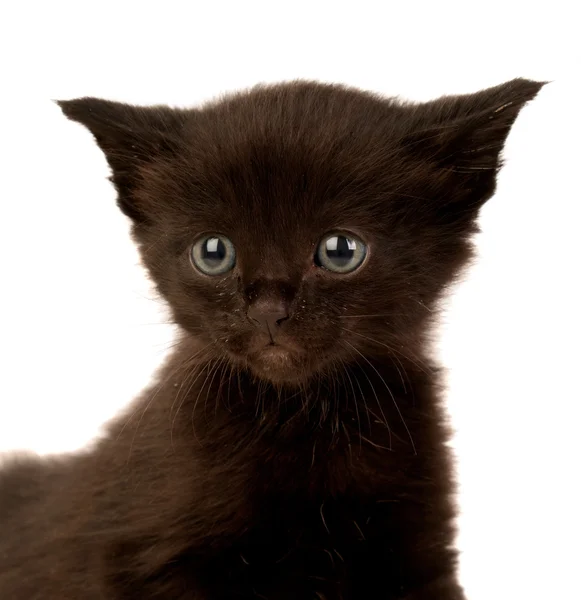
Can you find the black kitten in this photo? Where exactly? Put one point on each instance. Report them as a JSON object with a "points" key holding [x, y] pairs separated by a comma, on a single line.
{"points": [[294, 446]]}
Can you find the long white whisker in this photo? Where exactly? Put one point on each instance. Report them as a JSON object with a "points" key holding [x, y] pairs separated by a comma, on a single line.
{"points": [[214, 371], [375, 394], [184, 382], [355, 403], [364, 400], [390, 393], [390, 348], [183, 365]]}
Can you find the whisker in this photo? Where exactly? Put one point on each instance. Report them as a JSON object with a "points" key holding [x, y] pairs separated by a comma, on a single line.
{"points": [[185, 382], [348, 442], [183, 365], [230, 375], [214, 373], [336, 397], [363, 398], [259, 401], [362, 316], [374, 444], [307, 406], [355, 403], [426, 307], [375, 394], [225, 365], [323, 518], [183, 399], [393, 358], [390, 348], [205, 368], [189, 362], [390, 393]]}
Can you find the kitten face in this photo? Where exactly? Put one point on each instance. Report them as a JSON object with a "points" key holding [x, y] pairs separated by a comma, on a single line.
{"points": [[295, 226]]}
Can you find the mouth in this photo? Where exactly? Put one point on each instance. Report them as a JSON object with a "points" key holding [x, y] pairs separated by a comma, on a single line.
{"points": [[276, 362], [282, 361]]}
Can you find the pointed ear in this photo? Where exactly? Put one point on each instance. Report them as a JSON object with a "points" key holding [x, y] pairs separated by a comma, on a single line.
{"points": [[462, 136], [130, 136]]}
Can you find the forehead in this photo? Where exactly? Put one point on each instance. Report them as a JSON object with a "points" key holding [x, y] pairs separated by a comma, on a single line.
{"points": [[285, 159]]}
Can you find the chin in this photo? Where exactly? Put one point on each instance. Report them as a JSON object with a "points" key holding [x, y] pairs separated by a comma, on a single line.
{"points": [[277, 364], [282, 363]]}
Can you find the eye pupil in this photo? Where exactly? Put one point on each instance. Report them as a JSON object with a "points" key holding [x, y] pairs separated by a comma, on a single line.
{"points": [[213, 251], [213, 255], [340, 253], [340, 250]]}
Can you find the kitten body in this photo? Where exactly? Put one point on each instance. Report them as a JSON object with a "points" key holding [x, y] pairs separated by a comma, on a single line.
{"points": [[294, 445]]}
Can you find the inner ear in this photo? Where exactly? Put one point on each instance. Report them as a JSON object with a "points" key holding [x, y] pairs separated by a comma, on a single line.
{"points": [[130, 137]]}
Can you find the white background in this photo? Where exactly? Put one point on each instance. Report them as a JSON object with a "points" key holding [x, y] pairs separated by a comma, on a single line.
{"points": [[81, 333]]}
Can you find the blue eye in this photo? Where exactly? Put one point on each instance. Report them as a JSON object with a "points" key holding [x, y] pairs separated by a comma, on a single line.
{"points": [[340, 253], [213, 255]]}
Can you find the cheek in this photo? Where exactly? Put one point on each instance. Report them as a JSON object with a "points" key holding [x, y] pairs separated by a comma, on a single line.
{"points": [[209, 306], [315, 331]]}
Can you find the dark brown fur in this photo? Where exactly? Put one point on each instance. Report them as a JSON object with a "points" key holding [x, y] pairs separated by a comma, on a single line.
{"points": [[321, 476]]}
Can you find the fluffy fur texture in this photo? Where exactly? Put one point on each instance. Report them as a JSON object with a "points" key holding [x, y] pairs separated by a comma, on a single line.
{"points": [[303, 463]]}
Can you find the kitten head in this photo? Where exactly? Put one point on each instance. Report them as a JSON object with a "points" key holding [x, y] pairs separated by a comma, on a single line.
{"points": [[296, 225]]}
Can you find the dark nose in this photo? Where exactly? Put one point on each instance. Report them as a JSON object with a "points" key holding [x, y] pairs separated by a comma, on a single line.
{"points": [[268, 314]]}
